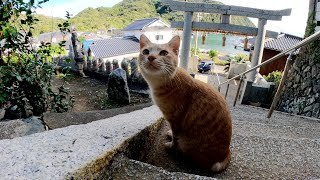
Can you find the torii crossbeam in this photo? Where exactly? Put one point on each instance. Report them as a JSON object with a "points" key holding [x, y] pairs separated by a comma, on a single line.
{"points": [[226, 11]]}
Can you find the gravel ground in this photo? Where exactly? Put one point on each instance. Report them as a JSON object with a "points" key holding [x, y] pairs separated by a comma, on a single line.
{"points": [[258, 115]]}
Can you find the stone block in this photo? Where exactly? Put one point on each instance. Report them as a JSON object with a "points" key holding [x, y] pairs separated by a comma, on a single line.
{"points": [[2, 113], [20, 127], [118, 90], [306, 69]]}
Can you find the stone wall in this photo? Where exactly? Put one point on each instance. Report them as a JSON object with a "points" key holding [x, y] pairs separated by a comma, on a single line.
{"points": [[301, 94], [302, 90]]}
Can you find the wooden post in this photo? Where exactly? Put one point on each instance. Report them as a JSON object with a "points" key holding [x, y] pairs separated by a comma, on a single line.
{"points": [[258, 48], [225, 96], [276, 98], [238, 91], [185, 48]]}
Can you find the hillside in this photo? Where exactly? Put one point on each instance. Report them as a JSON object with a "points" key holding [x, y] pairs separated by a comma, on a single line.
{"points": [[125, 12], [46, 24]]}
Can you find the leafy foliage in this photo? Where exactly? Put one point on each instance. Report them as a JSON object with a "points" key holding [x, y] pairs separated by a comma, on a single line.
{"points": [[213, 53], [274, 76], [26, 72], [193, 51], [239, 58], [127, 11]]}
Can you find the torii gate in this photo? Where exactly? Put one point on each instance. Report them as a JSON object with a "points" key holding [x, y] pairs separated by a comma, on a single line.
{"points": [[226, 11]]}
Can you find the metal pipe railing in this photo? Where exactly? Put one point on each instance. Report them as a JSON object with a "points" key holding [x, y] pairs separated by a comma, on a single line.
{"points": [[304, 42]]}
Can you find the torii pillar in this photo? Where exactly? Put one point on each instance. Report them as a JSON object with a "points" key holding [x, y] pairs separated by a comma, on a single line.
{"points": [[185, 48], [258, 49]]}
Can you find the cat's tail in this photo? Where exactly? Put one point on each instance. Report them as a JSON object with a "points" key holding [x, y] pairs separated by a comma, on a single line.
{"points": [[219, 166]]}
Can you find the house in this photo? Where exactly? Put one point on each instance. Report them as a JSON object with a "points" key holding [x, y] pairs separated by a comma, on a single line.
{"points": [[114, 48], [53, 37], [273, 47], [154, 28], [88, 35], [128, 46]]}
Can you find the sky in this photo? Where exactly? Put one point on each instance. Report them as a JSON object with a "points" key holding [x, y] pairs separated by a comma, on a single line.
{"points": [[294, 24]]}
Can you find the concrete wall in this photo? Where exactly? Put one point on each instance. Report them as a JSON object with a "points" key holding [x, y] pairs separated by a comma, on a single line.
{"points": [[237, 68]]}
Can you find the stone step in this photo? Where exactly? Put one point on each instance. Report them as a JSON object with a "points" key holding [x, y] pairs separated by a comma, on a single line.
{"points": [[258, 157], [253, 156], [124, 168], [271, 130], [60, 120], [259, 115]]}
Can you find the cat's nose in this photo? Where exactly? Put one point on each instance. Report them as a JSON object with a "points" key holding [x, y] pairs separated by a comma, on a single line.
{"points": [[151, 58]]}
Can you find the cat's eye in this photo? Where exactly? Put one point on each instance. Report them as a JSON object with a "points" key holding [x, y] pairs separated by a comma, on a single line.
{"points": [[145, 52], [163, 53]]}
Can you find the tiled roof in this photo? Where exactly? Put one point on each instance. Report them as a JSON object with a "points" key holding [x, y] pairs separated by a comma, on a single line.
{"points": [[283, 42], [114, 47], [140, 24], [46, 37]]}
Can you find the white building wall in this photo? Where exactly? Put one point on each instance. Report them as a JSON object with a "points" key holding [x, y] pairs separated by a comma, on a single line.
{"points": [[151, 34], [120, 58], [167, 35]]}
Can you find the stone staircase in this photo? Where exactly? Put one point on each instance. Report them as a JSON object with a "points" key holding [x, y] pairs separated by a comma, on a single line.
{"points": [[283, 147], [130, 146]]}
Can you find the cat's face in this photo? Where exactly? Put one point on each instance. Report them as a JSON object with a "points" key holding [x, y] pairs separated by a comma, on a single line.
{"points": [[159, 59]]}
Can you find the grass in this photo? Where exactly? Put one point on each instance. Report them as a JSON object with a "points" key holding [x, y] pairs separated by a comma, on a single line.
{"points": [[216, 60]]}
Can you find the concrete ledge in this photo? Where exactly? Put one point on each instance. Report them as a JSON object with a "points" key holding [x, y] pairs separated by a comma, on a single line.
{"points": [[60, 120], [59, 153]]}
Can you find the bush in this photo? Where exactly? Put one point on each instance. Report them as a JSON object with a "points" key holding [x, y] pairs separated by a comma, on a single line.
{"points": [[239, 58], [197, 51], [25, 72], [274, 76], [213, 53], [220, 62]]}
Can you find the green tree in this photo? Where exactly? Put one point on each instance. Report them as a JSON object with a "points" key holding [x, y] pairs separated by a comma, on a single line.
{"points": [[124, 13]]}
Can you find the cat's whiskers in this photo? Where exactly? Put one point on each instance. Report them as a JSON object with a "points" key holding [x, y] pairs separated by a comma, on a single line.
{"points": [[163, 70], [167, 74], [176, 79]]}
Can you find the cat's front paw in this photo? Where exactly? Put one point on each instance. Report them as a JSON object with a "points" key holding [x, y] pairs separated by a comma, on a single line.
{"points": [[168, 145], [169, 135]]}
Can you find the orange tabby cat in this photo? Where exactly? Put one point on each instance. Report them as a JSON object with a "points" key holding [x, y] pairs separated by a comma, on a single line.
{"points": [[199, 118]]}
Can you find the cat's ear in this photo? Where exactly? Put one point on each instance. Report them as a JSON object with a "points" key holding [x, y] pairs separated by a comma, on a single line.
{"points": [[144, 41], [174, 43]]}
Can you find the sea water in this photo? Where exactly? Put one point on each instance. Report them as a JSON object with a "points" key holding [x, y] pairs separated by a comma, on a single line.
{"points": [[214, 42]]}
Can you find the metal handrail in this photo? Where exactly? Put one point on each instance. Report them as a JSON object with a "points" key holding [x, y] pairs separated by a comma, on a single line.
{"points": [[304, 42]]}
